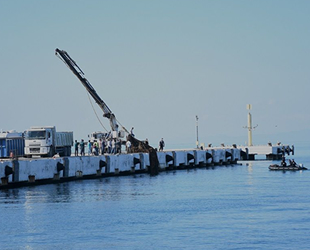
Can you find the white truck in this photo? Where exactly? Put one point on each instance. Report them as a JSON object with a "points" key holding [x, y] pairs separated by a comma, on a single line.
{"points": [[46, 142]]}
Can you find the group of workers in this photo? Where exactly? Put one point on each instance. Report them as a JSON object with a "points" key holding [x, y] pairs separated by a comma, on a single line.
{"points": [[291, 162], [110, 146], [99, 147]]}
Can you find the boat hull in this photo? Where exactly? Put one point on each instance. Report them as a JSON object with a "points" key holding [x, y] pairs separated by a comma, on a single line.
{"points": [[286, 168]]}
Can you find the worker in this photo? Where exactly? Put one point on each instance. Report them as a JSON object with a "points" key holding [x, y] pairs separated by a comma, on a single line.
{"points": [[102, 146], [99, 146], [95, 149], [82, 147], [128, 147], [161, 144], [283, 162], [109, 146], [113, 146], [76, 148], [118, 146], [89, 146], [131, 132]]}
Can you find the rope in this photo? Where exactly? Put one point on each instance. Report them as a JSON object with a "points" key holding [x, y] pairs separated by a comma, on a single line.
{"points": [[105, 106], [96, 112]]}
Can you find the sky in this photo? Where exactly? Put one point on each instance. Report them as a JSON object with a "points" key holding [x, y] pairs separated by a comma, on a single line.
{"points": [[158, 64]]}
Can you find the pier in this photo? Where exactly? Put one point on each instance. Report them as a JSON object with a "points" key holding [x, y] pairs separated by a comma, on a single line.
{"points": [[18, 172], [269, 151]]}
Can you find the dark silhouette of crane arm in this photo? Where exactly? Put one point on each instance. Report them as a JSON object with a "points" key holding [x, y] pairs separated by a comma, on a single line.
{"points": [[64, 56]]}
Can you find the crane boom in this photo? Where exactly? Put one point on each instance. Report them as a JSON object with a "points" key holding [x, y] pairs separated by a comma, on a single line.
{"points": [[80, 75], [137, 145]]}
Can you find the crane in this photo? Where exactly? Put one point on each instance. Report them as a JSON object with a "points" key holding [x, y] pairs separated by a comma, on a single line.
{"points": [[137, 145], [64, 56]]}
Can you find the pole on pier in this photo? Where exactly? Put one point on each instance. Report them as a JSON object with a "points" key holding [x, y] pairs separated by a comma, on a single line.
{"points": [[250, 143], [197, 141]]}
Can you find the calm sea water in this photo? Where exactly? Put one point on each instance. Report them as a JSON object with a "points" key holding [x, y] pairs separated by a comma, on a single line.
{"points": [[230, 207]]}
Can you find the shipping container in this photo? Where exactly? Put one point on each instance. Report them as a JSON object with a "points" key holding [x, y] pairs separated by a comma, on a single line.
{"points": [[12, 143]]}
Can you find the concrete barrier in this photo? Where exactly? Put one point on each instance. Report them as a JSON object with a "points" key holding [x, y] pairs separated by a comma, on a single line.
{"points": [[6, 171], [65, 168], [218, 156], [236, 152], [38, 169], [144, 161], [200, 157], [112, 161], [190, 158], [82, 165], [180, 158], [166, 159]]}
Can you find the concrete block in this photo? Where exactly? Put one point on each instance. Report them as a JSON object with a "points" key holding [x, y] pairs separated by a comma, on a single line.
{"points": [[145, 161], [189, 157], [180, 158], [200, 157]]}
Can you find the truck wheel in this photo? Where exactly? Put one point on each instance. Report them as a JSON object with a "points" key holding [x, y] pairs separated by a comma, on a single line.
{"points": [[51, 153]]}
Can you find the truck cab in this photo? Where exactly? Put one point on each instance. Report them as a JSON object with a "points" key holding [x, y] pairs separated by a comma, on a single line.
{"points": [[46, 142], [40, 141]]}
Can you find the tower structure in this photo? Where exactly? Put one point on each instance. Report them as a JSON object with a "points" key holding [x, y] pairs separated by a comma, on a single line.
{"points": [[197, 140], [249, 127]]}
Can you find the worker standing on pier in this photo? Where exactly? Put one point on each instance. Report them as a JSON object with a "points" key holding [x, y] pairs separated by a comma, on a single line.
{"points": [[99, 146], [102, 146], [128, 147], [113, 146], [76, 148], [89, 146], [109, 146], [161, 144], [95, 146], [118, 146], [95, 149], [82, 147]]}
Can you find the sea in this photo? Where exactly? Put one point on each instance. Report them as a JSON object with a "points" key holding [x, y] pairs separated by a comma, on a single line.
{"points": [[242, 206]]}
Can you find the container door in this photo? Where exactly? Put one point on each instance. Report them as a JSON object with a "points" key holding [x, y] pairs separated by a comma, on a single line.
{"points": [[9, 147], [2, 146]]}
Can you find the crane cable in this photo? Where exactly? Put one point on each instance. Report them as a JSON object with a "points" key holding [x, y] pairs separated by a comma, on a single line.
{"points": [[100, 120], [96, 112], [93, 105]]}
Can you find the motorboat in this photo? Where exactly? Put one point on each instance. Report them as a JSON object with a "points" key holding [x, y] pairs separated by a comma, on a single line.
{"points": [[292, 166]]}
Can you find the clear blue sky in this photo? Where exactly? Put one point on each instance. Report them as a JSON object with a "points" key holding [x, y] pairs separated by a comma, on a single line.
{"points": [[158, 64]]}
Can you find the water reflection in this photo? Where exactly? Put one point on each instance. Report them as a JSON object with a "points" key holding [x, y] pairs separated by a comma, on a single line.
{"points": [[133, 211], [104, 189], [10, 196], [114, 188]]}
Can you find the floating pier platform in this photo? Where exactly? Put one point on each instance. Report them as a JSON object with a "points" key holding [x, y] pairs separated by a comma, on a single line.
{"points": [[269, 151], [19, 172]]}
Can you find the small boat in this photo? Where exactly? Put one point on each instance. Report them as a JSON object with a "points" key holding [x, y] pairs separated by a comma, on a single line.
{"points": [[290, 167]]}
